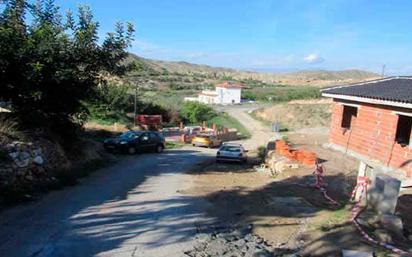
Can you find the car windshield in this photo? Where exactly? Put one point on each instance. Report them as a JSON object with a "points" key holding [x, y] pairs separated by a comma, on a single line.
{"points": [[230, 148], [203, 136], [128, 135]]}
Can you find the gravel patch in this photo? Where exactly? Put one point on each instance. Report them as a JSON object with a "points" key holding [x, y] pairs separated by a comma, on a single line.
{"points": [[230, 242]]}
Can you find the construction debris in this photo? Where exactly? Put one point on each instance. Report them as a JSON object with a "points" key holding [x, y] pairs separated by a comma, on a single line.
{"points": [[351, 253], [300, 155], [230, 242]]}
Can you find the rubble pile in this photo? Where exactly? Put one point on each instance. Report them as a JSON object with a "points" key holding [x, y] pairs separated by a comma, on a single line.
{"points": [[26, 164], [231, 242], [300, 155]]}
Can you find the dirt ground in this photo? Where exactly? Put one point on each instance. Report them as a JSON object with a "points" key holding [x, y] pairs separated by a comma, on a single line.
{"points": [[294, 115], [285, 210]]}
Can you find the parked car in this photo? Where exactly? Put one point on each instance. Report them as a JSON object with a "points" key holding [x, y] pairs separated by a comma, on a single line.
{"points": [[206, 140], [231, 153], [136, 141]]}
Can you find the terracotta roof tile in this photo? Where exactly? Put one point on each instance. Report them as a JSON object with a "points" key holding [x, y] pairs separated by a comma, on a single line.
{"points": [[229, 84]]}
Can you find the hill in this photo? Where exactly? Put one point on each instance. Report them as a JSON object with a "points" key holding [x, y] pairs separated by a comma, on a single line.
{"points": [[205, 73]]}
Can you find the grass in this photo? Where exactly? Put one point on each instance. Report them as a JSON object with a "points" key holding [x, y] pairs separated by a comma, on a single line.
{"points": [[335, 217], [226, 121], [280, 93], [267, 123], [295, 116], [9, 129], [263, 121]]}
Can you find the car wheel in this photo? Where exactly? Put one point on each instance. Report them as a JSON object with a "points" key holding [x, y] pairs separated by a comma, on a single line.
{"points": [[159, 149], [131, 150]]}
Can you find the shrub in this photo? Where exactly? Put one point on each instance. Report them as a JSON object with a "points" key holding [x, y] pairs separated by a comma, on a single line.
{"points": [[261, 153], [194, 112], [9, 130]]}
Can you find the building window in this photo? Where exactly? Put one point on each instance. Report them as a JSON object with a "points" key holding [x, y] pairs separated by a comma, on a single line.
{"points": [[403, 130], [349, 112]]}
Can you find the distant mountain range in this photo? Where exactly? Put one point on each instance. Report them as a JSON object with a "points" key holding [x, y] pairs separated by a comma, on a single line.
{"points": [[312, 77]]}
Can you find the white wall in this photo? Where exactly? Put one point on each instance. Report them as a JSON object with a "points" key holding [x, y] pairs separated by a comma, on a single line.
{"points": [[191, 99], [206, 99], [228, 95]]}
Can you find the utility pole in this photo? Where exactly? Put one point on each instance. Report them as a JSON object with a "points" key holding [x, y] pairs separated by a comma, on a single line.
{"points": [[383, 70], [135, 105]]}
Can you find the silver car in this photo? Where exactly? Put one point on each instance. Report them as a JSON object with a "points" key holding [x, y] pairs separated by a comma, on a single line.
{"points": [[231, 153]]}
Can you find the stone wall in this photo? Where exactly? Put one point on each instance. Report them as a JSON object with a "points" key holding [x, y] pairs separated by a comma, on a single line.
{"points": [[29, 166]]}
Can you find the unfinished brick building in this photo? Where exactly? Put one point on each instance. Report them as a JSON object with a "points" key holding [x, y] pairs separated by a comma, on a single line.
{"points": [[372, 121]]}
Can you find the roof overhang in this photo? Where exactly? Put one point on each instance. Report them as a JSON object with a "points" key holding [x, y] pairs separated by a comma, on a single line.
{"points": [[369, 100], [229, 87]]}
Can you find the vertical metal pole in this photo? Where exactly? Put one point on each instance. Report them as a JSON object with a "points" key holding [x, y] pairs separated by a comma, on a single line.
{"points": [[135, 105]]}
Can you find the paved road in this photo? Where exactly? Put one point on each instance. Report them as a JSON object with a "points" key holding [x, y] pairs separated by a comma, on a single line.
{"points": [[260, 133], [133, 208]]}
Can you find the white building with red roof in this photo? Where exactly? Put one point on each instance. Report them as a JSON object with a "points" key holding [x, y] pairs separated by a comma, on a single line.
{"points": [[224, 93]]}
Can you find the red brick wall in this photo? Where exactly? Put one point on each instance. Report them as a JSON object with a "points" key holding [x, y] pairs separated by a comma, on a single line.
{"points": [[372, 134]]}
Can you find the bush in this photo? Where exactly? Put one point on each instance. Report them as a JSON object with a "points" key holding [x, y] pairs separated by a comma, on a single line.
{"points": [[261, 153], [9, 130], [194, 112]]}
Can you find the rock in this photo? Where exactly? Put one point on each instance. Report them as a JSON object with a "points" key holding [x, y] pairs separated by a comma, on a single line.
{"points": [[14, 155], [22, 163], [248, 237], [202, 237], [24, 156], [392, 223], [37, 151], [384, 236], [38, 160], [262, 253], [351, 253], [259, 240], [229, 243]]}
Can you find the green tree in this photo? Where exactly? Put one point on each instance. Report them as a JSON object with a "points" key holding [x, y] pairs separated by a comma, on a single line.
{"points": [[195, 112], [49, 65], [111, 103]]}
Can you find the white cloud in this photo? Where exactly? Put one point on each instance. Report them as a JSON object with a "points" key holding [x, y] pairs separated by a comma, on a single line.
{"points": [[313, 59]]}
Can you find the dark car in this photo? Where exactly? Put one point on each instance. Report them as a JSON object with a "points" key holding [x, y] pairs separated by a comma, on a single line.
{"points": [[136, 141]]}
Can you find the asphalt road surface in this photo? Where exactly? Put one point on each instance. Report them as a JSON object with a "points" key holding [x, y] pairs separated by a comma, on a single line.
{"points": [[133, 208]]}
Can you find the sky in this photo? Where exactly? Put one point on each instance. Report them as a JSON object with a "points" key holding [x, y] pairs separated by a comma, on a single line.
{"points": [[267, 35]]}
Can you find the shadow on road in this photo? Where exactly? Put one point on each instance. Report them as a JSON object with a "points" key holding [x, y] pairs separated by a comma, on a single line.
{"points": [[116, 209]]}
